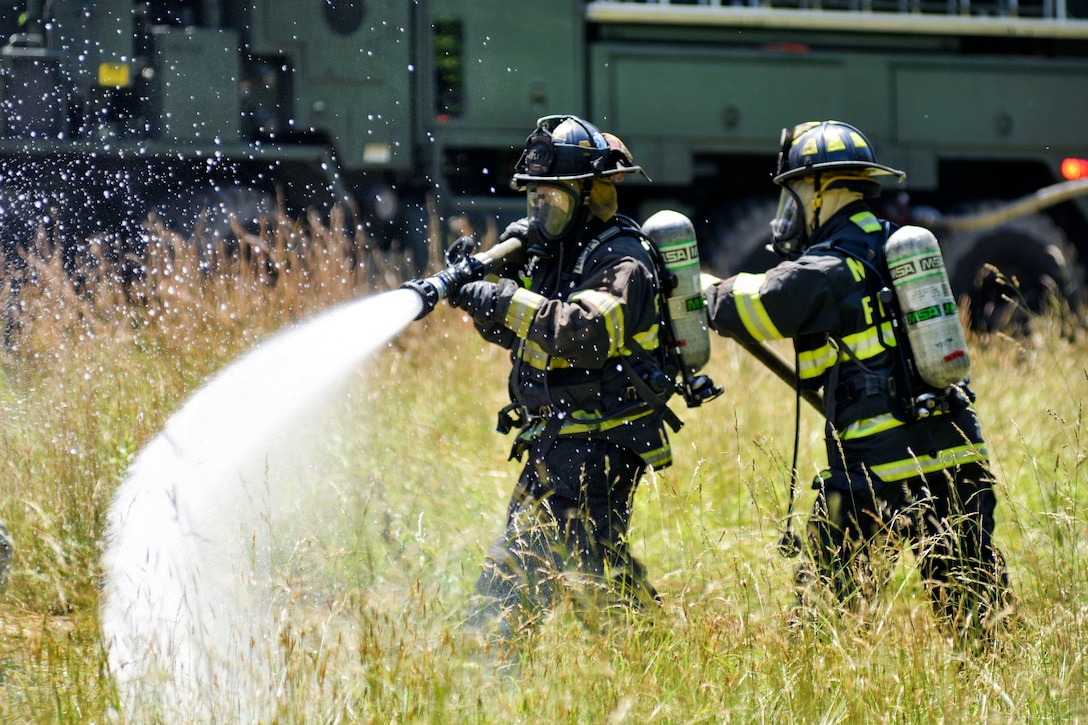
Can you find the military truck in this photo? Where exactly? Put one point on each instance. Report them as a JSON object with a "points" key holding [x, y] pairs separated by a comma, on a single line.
{"points": [[406, 112]]}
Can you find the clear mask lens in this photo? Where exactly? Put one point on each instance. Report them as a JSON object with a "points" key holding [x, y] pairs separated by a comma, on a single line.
{"points": [[552, 207], [787, 219], [787, 224]]}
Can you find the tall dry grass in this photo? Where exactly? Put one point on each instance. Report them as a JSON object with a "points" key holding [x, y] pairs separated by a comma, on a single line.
{"points": [[92, 366], [90, 374]]}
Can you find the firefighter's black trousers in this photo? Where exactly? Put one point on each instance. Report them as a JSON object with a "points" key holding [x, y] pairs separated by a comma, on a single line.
{"points": [[565, 535], [947, 521]]}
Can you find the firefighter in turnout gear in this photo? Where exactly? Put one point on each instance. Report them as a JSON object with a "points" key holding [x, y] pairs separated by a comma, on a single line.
{"points": [[906, 463], [580, 315]]}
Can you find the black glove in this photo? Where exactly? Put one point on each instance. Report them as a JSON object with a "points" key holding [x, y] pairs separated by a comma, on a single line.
{"points": [[513, 263], [426, 292], [481, 299], [518, 229]]}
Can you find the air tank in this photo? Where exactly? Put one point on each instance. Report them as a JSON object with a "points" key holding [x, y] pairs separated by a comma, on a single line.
{"points": [[674, 235], [927, 308]]}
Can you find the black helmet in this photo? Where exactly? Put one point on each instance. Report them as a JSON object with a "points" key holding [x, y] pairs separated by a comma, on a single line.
{"points": [[568, 148], [837, 156], [819, 146]]}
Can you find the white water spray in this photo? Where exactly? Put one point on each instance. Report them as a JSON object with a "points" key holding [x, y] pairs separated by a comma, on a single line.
{"points": [[187, 615]]}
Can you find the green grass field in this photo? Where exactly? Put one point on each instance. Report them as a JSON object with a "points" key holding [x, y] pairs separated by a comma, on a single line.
{"points": [[370, 607]]}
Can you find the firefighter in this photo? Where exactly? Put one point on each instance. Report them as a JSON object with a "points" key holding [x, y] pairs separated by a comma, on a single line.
{"points": [[580, 317], [893, 477]]}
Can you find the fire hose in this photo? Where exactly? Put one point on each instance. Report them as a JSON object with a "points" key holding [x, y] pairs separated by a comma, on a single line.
{"points": [[1041, 199], [790, 543], [782, 367], [461, 269]]}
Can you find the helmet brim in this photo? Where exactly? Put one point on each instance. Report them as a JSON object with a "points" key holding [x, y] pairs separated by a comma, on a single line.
{"points": [[867, 168], [520, 180]]}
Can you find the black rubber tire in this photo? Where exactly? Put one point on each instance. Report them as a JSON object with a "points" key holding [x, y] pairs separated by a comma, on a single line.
{"points": [[1012, 272]]}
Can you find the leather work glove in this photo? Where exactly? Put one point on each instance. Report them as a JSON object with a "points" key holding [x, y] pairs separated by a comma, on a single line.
{"points": [[481, 299]]}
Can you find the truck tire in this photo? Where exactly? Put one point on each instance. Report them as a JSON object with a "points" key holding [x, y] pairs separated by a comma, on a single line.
{"points": [[1008, 274]]}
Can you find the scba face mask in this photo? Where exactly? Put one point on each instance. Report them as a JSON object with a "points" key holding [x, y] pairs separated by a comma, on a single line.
{"points": [[553, 208], [788, 226]]}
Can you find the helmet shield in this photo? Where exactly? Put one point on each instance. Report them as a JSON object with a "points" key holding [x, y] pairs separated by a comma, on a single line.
{"points": [[553, 207], [539, 157]]}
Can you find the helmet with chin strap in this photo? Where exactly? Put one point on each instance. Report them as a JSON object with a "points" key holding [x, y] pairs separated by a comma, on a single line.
{"points": [[561, 155], [568, 148], [828, 147], [833, 155]]}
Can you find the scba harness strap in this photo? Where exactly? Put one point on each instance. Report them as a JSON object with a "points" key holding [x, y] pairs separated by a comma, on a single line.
{"points": [[901, 384], [653, 393], [646, 392]]}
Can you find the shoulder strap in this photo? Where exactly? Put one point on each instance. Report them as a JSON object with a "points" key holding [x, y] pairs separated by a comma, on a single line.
{"points": [[651, 398], [613, 230], [657, 402], [901, 383]]}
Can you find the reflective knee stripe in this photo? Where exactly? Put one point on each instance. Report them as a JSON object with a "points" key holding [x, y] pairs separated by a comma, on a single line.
{"points": [[611, 312], [910, 467], [522, 310], [750, 308]]}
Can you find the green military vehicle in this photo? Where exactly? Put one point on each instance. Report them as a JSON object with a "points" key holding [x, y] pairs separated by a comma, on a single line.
{"points": [[411, 111]]}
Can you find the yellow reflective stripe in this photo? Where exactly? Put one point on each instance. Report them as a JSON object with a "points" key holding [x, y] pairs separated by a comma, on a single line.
{"points": [[535, 357], [707, 280], [910, 467], [813, 363], [522, 310], [870, 426], [611, 312], [865, 344], [750, 308], [867, 221], [648, 340], [658, 457], [577, 421]]}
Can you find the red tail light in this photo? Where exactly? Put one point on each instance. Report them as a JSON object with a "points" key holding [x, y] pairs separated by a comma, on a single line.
{"points": [[1075, 169]]}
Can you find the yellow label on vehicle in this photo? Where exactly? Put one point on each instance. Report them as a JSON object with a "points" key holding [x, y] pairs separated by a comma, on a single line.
{"points": [[114, 74]]}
